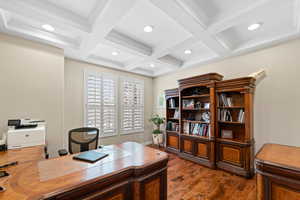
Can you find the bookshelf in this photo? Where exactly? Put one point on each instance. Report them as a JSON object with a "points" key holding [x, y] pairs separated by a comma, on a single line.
{"points": [[215, 122], [234, 127], [172, 120], [197, 120]]}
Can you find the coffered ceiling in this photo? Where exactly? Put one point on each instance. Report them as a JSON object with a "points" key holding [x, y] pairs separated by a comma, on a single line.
{"points": [[184, 32]]}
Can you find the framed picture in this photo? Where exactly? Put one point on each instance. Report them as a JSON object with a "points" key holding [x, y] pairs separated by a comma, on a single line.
{"points": [[227, 134]]}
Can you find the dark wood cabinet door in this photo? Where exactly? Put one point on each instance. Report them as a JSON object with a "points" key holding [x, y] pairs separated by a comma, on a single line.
{"points": [[173, 141], [187, 145], [154, 187], [202, 149], [231, 154]]}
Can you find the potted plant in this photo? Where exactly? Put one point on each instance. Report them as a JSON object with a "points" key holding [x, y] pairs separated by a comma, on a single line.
{"points": [[157, 133]]}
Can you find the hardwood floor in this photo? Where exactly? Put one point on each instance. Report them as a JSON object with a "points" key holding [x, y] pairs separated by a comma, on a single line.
{"points": [[190, 181]]}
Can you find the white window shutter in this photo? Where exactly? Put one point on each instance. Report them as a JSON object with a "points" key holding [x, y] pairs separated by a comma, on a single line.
{"points": [[109, 93], [100, 103], [132, 102]]}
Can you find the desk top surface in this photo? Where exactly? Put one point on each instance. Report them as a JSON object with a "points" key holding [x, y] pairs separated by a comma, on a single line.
{"points": [[35, 178], [280, 155]]}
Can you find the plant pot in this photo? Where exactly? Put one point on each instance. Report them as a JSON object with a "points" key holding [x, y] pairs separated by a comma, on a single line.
{"points": [[157, 138]]}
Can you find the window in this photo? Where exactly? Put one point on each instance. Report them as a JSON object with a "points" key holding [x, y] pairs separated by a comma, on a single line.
{"points": [[101, 102], [132, 102]]}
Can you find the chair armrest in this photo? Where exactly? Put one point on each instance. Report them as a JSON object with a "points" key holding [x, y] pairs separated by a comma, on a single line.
{"points": [[62, 152]]}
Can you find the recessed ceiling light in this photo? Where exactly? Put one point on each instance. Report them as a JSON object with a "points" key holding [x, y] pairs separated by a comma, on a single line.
{"points": [[114, 53], [148, 29], [48, 27], [254, 27], [188, 51], [152, 65]]}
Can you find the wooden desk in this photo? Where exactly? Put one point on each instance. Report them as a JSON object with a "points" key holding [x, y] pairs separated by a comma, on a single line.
{"points": [[278, 172], [131, 171], [23, 155]]}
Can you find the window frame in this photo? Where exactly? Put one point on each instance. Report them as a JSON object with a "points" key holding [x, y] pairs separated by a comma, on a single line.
{"points": [[115, 78]]}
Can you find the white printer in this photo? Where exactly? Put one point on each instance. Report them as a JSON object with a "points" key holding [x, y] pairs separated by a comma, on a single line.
{"points": [[25, 133]]}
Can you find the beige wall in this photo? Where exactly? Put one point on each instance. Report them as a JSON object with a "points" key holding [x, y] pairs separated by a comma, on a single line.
{"points": [[277, 98], [74, 100], [31, 85]]}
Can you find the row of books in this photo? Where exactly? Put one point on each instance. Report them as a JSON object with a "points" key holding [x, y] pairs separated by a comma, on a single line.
{"points": [[225, 101], [196, 129], [173, 126], [225, 115], [172, 103], [192, 104]]}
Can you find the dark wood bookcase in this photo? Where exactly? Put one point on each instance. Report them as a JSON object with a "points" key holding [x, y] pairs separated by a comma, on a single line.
{"points": [[197, 121], [235, 153], [215, 122], [172, 135]]}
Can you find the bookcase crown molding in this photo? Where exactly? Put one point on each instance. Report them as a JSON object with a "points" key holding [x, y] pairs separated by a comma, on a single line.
{"points": [[171, 93], [205, 79]]}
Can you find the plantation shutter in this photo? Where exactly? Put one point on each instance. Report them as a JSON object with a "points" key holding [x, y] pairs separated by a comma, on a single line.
{"points": [[100, 103], [109, 106], [132, 119]]}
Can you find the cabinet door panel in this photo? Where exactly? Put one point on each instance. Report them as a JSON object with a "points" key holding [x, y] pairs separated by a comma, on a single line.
{"points": [[173, 141], [283, 193], [202, 150], [152, 190], [232, 154], [154, 187], [187, 146]]}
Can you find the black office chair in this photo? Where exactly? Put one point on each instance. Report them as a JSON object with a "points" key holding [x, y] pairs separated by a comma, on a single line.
{"points": [[80, 140]]}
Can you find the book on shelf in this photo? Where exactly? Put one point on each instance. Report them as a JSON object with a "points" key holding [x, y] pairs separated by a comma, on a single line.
{"points": [[172, 103], [226, 101], [198, 129], [188, 103], [186, 128], [241, 116], [176, 114], [173, 126], [225, 115]]}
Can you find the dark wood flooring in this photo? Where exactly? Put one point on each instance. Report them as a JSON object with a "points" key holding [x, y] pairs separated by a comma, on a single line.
{"points": [[191, 181]]}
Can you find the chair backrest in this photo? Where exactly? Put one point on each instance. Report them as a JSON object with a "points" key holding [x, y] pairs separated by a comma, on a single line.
{"points": [[83, 139]]}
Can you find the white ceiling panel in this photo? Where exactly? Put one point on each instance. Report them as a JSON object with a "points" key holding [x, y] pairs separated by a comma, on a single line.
{"points": [[79, 7], [155, 68], [198, 51], [212, 29], [214, 10], [106, 52], [143, 14], [276, 19]]}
